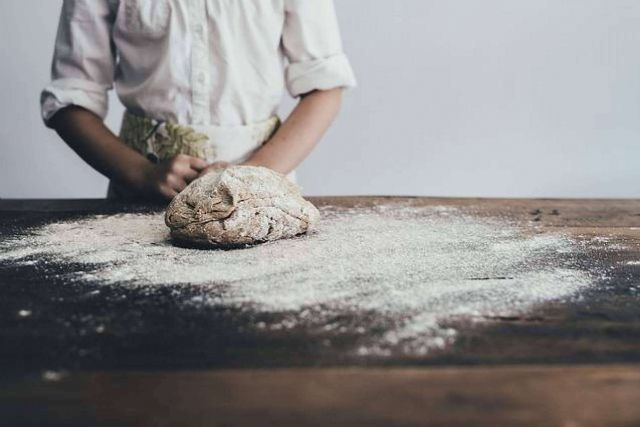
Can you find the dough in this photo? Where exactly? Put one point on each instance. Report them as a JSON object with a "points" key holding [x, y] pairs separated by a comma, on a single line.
{"points": [[238, 206]]}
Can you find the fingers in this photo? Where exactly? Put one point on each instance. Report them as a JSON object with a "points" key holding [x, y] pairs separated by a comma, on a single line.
{"points": [[176, 182], [183, 161], [190, 174], [197, 164], [205, 171], [187, 167], [167, 192], [214, 167], [170, 187], [173, 176]]}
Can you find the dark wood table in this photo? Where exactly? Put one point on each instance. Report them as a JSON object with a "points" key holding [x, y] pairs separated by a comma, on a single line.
{"points": [[566, 364]]}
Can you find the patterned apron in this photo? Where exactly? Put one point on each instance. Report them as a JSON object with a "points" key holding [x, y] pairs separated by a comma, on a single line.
{"points": [[159, 141]]}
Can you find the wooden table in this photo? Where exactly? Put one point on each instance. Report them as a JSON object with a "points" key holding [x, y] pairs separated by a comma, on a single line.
{"points": [[569, 364]]}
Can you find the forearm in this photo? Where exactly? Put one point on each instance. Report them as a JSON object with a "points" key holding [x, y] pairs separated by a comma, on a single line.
{"points": [[88, 136], [300, 133]]}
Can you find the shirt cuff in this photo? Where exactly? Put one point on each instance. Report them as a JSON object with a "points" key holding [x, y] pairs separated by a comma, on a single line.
{"points": [[65, 92], [319, 74]]}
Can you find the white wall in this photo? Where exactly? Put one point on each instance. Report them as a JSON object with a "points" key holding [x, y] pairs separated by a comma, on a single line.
{"points": [[456, 98]]}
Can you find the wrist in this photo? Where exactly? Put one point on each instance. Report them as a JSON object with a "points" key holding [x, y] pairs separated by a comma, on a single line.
{"points": [[137, 174]]}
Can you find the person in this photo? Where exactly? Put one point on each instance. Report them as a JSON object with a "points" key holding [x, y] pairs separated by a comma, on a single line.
{"points": [[201, 82]]}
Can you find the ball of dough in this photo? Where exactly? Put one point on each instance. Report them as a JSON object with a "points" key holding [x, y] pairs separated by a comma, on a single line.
{"points": [[241, 205]]}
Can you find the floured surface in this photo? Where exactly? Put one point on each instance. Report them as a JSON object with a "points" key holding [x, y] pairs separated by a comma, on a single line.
{"points": [[400, 275]]}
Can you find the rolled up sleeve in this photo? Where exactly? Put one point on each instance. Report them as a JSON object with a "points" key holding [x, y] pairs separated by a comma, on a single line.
{"points": [[83, 65], [313, 46]]}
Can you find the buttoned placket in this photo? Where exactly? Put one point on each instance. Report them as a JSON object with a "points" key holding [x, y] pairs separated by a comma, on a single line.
{"points": [[199, 62]]}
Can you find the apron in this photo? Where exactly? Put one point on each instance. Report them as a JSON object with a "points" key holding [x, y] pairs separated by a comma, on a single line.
{"points": [[159, 141]]}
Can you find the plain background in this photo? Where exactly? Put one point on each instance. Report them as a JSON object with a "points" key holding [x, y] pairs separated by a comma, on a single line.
{"points": [[508, 98]]}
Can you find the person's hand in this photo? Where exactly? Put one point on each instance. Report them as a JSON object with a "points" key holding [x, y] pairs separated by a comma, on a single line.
{"points": [[166, 179], [213, 167]]}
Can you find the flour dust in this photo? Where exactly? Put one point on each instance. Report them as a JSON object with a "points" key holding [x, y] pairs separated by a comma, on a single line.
{"points": [[410, 271]]}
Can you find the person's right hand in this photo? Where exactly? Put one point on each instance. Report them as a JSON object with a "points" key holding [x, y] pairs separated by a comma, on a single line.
{"points": [[166, 179]]}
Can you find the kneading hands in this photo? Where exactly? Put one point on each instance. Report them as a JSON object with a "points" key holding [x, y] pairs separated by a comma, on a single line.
{"points": [[88, 136]]}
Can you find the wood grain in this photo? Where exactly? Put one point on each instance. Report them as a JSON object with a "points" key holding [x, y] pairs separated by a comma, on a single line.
{"points": [[514, 396], [163, 370]]}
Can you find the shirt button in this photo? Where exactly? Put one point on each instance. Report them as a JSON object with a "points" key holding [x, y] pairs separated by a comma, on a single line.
{"points": [[200, 30], [201, 78]]}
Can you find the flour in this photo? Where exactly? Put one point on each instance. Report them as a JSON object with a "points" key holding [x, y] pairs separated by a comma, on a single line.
{"points": [[408, 273]]}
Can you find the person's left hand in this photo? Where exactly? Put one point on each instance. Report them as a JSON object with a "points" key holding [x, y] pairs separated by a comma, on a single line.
{"points": [[213, 167]]}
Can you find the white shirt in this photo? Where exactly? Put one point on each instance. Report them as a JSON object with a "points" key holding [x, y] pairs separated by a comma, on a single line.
{"points": [[200, 62]]}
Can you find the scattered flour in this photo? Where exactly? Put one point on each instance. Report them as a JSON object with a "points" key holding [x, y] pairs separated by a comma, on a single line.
{"points": [[413, 270]]}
